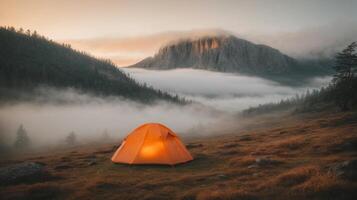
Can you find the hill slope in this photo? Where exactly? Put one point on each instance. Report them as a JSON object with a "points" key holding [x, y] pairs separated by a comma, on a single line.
{"points": [[29, 60], [228, 54], [302, 157]]}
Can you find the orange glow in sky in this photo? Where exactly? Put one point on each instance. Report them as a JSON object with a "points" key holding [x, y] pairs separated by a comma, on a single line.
{"points": [[129, 30]]}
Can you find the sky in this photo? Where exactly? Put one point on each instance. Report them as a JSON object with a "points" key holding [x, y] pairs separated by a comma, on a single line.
{"points": [[84, 22]]}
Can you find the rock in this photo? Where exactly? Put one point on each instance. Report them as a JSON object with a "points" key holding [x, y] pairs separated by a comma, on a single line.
{"points": [[23, 173], [91, 163], [225, 53], [252, 166], [221, 176], [346, 169], [265, 161], [213, 177]]}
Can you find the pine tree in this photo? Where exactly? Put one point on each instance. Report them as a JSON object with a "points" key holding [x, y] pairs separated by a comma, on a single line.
{"points": [[22, 140], [71, 139], [344, 79], [346, 63]]}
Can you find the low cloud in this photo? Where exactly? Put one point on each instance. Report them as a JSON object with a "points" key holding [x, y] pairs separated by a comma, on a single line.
{"points": [[54, 113], [224, 91], [51, 117], [314, 42]]}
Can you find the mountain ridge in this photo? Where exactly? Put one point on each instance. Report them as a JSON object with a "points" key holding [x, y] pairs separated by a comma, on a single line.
{"points": [[227, 53]]}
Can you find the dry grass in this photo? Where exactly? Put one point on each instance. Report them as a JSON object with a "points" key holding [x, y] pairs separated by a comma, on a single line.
{"points": [[223, 193], [299, 151], [296, 176]]}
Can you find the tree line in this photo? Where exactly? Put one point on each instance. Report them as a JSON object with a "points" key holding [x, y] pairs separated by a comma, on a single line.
{"points": [[29, 60], [341, 93]]}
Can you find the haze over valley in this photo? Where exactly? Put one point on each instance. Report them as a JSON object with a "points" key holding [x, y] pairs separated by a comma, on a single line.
{"points": [[229, 92]]}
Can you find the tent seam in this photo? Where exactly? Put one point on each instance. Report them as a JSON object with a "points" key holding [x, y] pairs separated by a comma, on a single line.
{"points": [[141, 145], [166, 150]]}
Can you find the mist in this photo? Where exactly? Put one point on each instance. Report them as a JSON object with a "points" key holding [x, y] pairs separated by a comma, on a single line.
{"points": [[226, 92], [49, 123], [310, 43], [217, 98]]}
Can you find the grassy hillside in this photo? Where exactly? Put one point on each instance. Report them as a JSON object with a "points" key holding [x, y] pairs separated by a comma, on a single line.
{"points": [[300, 157], [28, 60]]}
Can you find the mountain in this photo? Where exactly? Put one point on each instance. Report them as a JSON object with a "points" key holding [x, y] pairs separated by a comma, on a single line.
{"points": [[227, 53], [28, 61]]}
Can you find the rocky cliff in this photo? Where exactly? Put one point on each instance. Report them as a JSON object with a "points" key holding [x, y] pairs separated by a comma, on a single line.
{"points": [[221, 53]]}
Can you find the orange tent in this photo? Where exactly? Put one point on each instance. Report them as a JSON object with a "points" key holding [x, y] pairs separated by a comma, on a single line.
{"points": [[152, 143]]}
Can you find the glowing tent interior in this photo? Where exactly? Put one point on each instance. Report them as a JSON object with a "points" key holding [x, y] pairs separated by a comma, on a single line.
{"points": [[152, 143]]}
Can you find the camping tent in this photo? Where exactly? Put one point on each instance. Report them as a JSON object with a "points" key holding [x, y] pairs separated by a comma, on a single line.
{"points": [[152, 143]]}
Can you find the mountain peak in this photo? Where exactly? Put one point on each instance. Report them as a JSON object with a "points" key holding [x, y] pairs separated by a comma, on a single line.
{"points": [[219, 52], [199, 45]]}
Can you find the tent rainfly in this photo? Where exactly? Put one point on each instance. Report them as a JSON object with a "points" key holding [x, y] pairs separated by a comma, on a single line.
{"points": [[152, 143]]}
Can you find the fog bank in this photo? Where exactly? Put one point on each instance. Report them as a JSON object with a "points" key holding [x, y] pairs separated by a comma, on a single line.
{"points": [[50, 123], [223, 91], [51, 116]]}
